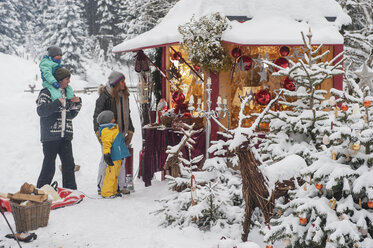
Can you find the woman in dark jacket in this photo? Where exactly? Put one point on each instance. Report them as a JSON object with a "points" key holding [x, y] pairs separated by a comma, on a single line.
{"points": [[115, 97]]}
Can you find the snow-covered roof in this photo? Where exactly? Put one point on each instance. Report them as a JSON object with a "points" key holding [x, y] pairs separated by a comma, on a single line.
{"points": [[271, 22]]}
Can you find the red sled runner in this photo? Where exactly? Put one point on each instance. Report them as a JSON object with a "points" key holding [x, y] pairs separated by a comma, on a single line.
{"points": [[68, 197]]}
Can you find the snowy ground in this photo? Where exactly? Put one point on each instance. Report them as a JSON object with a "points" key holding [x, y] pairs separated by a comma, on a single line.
{"points": [[121, 222]]}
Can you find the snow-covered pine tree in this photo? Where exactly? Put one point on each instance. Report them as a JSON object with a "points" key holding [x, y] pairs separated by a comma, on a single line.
{"points": [[359, 34], [218, 201], [10, 27], [67, 30], [331, 208], [297, 129]]}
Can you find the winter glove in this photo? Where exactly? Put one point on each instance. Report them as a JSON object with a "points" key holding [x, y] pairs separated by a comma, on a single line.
{"points": [[56, 85], [128, 138], [108, 160]]}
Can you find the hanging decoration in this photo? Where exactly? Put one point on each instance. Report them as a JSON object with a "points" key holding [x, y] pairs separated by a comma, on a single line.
{"points": [[161, 109], [244, 63], [303, 221], [344, 107], [263, 97], [355, 147], [284, 51], [176, 56], [282, 62], [141, 62], [366, 77], [326, 140], [370, 204], [288, 84], [367, 103], [178, 99], [236, 52], [193, 190], [173, 73]]}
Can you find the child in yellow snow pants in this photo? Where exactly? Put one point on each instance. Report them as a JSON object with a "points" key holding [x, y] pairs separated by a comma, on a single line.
{"points": [[114, 149]]}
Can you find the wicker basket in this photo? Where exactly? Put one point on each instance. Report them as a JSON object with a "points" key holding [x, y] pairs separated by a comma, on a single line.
{"points": [[30, 217]]}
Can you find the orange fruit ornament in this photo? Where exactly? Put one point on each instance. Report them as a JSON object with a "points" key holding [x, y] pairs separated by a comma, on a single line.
{"points": [[344, 108], [302, 221], [367, 103], [370, 204], [319, 186]]}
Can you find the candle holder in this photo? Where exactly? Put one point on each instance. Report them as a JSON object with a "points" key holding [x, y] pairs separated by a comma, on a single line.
{"points": [[219, 112]]}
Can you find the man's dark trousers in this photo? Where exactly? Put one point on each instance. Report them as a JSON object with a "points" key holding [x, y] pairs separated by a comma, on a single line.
{"points": [[64, 150]]}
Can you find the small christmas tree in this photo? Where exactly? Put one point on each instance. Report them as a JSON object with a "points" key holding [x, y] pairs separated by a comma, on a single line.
{"points": [[331, 209]]}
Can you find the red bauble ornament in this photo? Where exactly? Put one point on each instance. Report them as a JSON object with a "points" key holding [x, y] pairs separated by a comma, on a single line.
{"points": [[236, 52], [288, 84], [319, 186], [196, 67], [302, 221], [370, 204], [284, 63], [247, 60], [284, 51], [263, 97], [177, 56], [344, 108], [177, 97]]}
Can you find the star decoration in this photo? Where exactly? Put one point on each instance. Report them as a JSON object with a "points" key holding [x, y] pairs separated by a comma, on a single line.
{"points": [[366, 76], [263, 75], [240, 66]]}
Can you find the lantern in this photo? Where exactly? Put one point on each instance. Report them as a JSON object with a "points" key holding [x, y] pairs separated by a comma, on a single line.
{"points": [[302, 221], [284, 51], [236, 52], [263, 97]]}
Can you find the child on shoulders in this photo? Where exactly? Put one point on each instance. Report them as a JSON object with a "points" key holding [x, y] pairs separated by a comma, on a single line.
{"points": [[48, 66]]}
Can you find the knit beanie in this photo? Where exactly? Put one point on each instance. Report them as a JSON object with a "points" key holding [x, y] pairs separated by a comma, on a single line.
{"points": [[54, 51], [115, 78], [105, 117], [61, 74]]}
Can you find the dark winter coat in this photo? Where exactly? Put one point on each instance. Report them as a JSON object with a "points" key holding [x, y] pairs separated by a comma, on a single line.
{"points": [[107, 102], [51, 118]]}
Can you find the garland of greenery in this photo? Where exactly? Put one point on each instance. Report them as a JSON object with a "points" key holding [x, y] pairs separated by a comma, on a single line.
{"points": [[202, 40]]}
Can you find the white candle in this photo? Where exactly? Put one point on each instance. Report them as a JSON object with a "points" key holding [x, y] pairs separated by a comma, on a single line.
{"points": [[199, 101], [219, 100], [191, 100], [225, 101]]}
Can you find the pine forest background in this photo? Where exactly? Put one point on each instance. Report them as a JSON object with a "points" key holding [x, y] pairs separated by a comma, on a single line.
{"points": [[88, 29]]}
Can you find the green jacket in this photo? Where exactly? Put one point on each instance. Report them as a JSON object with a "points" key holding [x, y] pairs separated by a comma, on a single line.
{"points": [[47, 68]]}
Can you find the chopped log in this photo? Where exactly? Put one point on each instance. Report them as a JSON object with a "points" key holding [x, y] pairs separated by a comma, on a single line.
{"points": [[27, 188], [28, 197]]}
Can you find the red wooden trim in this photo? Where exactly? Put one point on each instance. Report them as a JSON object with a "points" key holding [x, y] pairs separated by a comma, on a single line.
{"points": [[147, 47], [163, 67], [245, 44], [338, 79]]}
